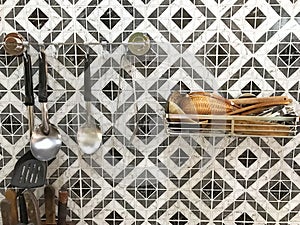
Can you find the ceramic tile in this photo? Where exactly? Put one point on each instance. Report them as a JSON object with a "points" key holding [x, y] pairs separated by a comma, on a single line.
{"points": [[141, 175]]}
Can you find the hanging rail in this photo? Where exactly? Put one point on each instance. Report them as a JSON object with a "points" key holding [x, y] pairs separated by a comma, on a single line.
{"points": [[16, 44]]}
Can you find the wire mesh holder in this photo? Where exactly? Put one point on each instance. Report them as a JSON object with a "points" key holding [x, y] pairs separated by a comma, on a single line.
{"points": [[228, 125]]}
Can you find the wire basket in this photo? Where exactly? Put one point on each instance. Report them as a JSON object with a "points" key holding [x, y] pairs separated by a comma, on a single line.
{"points": [[222, 125]]}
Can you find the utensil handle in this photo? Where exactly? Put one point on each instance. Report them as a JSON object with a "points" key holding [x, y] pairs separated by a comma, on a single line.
{"points": [[23, 209], [29, 98], [5, 212], [87, 79], [49, 193], [11, 196], [42, 77], [62, 207], [32, 206]]}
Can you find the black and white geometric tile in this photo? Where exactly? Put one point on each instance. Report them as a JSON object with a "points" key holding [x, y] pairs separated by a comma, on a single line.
{"points": [[141, 175]]}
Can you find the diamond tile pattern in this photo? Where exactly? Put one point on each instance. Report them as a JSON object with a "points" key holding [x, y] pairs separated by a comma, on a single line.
{"points": [[110, 18], [181, 18], [140, 175], [38, 18], [255, 18]]}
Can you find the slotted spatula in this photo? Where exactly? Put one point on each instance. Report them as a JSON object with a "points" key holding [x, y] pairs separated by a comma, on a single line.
{"points": [[29, 172]]}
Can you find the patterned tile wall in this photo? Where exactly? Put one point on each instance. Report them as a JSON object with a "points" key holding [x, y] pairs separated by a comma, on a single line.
{"points": [[143, 176]]}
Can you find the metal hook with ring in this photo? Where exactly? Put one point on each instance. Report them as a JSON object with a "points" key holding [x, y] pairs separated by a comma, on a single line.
{"points": [[14, 44]]}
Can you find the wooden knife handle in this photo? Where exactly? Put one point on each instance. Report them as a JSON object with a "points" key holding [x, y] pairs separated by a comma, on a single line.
{"points": [[49, 193], [11, 196], [6, 212], [62, 207]]}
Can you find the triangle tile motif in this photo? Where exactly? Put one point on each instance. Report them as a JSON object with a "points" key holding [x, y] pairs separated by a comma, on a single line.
{"points": [[215, 46]]}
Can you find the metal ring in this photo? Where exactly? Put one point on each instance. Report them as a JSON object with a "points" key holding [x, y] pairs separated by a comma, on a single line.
{"points": [[14, 44], [139, 43]]}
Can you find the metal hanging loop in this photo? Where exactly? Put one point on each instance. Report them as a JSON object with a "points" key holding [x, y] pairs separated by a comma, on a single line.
{"points": [[14, 44]]}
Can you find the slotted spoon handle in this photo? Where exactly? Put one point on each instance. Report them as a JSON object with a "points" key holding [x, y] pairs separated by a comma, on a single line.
{"points": [[29, 98], [42, 78]]}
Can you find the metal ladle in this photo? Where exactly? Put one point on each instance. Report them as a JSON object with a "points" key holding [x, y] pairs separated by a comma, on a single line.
{"points": [[89, 135], [46, 140]]}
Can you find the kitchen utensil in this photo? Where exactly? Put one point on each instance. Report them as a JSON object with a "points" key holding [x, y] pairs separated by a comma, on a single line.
{"points": [[139, 43], [22, 210], [49, 193], [5, 212], [29, 98], [46, 140], [247, 101], [62, 206], [32, 207], [89, 135], [29, 172], [11, 196], [203, 103], [14, 44]]}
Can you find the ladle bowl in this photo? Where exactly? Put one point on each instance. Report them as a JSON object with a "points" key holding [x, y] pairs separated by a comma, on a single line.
{"points": [[45, 147], [45, 140], [89, 135], [89, 138]]}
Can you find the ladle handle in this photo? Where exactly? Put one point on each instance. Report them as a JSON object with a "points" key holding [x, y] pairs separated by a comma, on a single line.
{"points": [[42, 78], [87, 80], [29, 98]]}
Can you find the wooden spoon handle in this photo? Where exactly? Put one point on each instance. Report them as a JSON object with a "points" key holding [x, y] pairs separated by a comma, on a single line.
{"points": [[248, 109], [248, 101], [11, 196]]}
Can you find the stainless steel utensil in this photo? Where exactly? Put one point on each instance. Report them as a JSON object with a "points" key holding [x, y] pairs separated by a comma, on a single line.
{"points": [[89, 135], [28, 171], [46, 140]]}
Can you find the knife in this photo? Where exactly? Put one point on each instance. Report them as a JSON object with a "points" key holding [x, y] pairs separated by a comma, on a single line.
{"points": [[32, 208], [5, 212], [49, 193], [11, 196], [62, 206]]}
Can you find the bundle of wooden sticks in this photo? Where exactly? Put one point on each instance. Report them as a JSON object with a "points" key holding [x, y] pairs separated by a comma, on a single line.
{"points": [[203, 103]]}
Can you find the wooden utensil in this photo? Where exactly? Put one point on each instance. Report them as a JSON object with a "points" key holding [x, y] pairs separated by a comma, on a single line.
{"points": [[11, 196], [49, 193], [248, 101], [6, 212], [62, 206], [32, 208]]}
